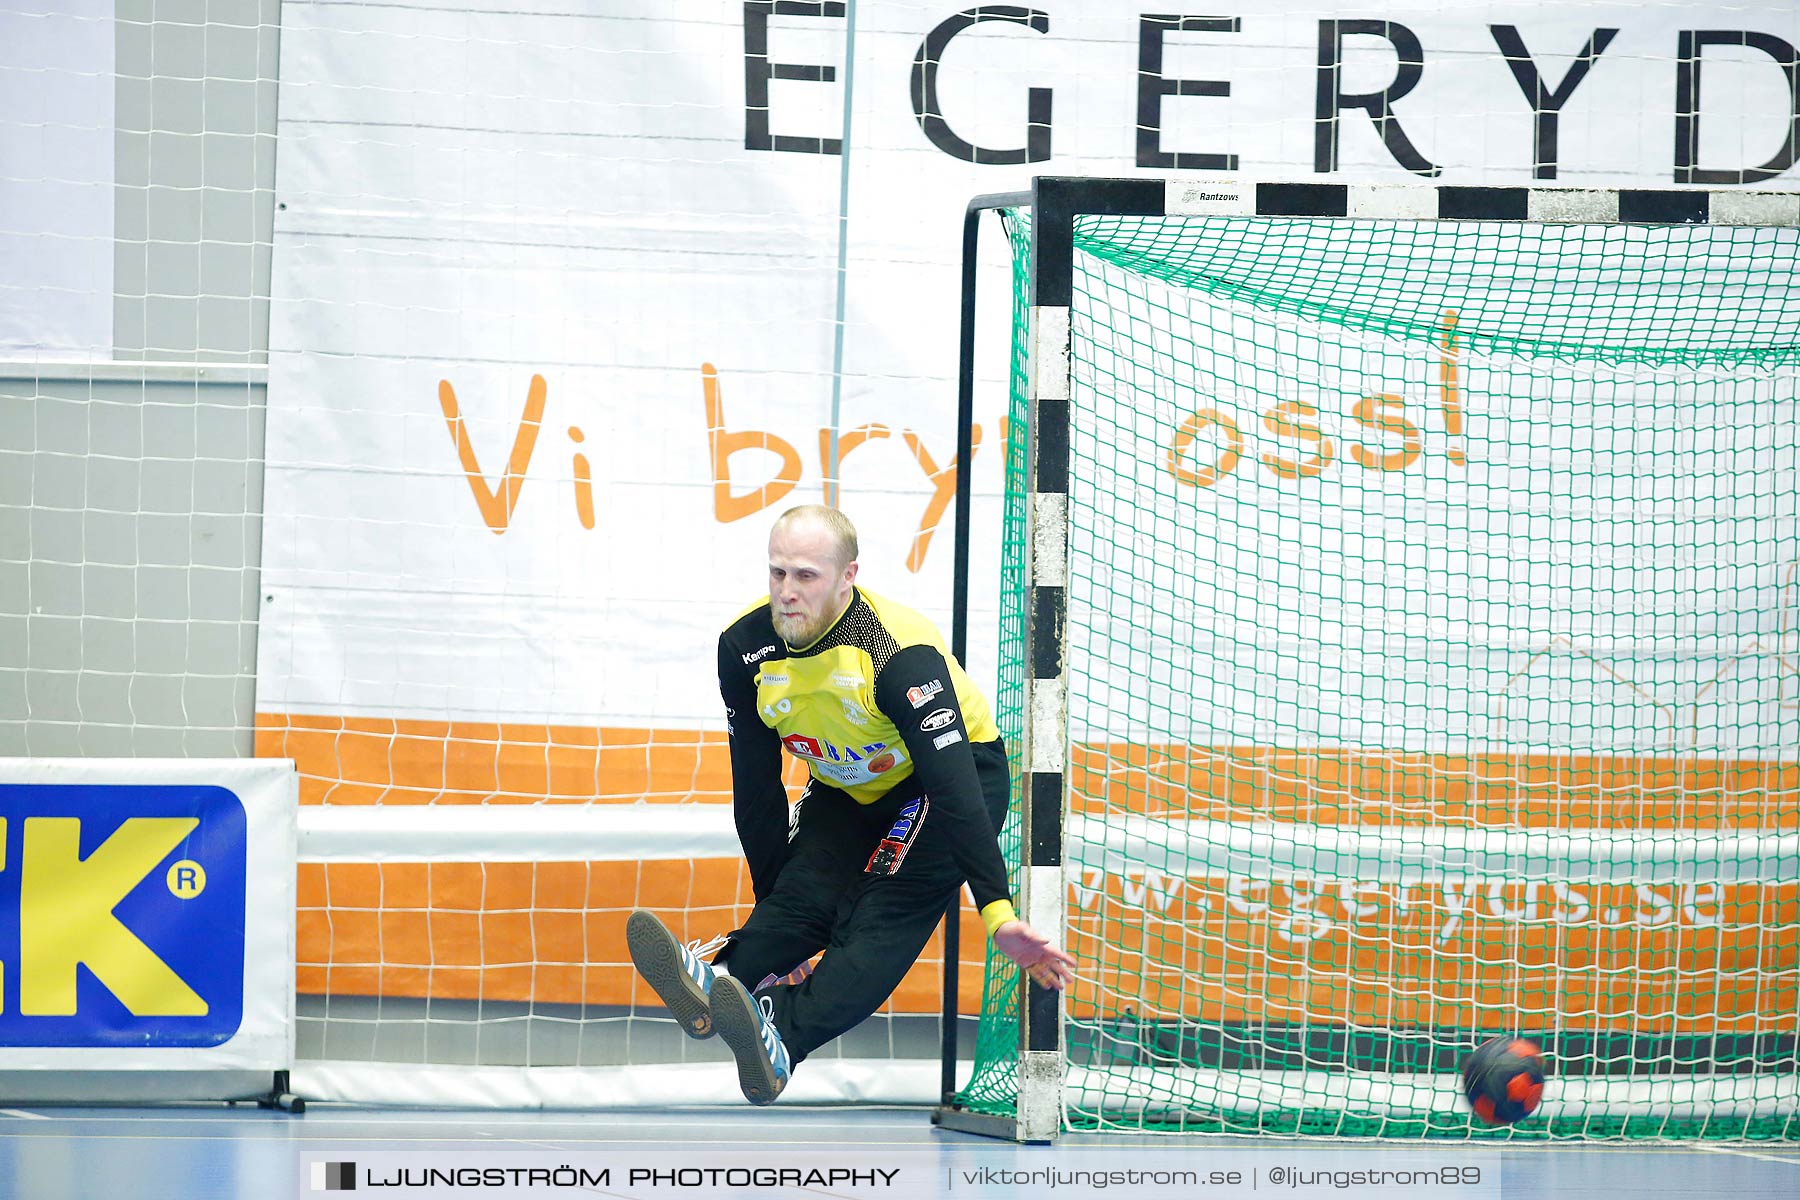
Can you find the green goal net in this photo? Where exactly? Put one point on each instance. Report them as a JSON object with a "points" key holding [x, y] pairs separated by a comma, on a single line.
{"points": [[1431, 671]]}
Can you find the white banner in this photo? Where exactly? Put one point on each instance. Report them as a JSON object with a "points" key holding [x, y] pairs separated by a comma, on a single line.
{"points": [[555, 326], [150, 914], [56, 178]]}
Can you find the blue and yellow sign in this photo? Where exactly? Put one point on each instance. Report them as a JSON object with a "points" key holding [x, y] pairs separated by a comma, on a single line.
{"points": [[121, 915]]}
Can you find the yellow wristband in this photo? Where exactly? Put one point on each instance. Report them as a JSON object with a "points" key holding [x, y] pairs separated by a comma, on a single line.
{"points": [[997, 914]]}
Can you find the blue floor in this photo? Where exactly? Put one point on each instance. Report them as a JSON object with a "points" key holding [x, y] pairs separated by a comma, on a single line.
{"points": [[216, 1153]]}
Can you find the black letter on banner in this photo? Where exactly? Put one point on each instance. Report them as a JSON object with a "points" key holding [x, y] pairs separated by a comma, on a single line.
{"points": [[1693, 44], [1152, 87], [758, 70], [930, 113], [1547, 105], [1379, 104]]}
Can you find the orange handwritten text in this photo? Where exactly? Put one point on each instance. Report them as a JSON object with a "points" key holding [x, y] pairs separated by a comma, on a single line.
{"points": [[727, 507], [496, 504], [729, 504], [1297, 427]]}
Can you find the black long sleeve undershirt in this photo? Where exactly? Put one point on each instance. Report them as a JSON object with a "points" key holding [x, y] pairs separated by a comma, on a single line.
{"points": [[937, 738], [759, 799]]}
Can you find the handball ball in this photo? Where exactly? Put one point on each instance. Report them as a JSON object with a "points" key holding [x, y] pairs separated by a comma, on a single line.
{"points": [[1504, 1080]]}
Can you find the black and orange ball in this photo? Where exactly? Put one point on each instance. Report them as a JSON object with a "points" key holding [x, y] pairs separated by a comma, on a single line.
{"points": [[1504, 1080]]}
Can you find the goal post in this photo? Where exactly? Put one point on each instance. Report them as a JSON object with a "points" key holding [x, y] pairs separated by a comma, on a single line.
{"points": [[1400, 627]]}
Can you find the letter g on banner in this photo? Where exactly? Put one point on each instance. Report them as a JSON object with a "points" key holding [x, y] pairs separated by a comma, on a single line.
{"points": [[930, 113]]}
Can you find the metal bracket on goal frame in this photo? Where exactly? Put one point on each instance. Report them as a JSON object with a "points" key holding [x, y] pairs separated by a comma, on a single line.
{"points": [[1055, 203]]}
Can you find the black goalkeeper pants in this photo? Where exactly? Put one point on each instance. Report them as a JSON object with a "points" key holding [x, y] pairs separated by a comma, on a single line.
{"points": [[872, 928]]}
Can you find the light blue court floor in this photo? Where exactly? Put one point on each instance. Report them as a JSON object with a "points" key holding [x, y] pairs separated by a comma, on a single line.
{"points": [[217, 1153]]}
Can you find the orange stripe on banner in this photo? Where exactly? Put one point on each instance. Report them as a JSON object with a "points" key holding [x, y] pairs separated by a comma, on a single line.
{"points": [[1660, 959], [362, 760], [549, 932], [1348, 787], [370, 760], [553, 932]]}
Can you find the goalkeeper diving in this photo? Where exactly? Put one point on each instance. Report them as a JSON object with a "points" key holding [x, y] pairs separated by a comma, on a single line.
{"points": [[907, 789]]}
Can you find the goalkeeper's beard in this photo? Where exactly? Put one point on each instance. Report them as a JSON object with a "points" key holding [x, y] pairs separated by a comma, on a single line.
{"points": [[800, 631]]}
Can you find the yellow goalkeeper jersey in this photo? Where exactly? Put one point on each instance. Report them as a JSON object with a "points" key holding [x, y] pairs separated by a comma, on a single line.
{"points": [[876, 701]]}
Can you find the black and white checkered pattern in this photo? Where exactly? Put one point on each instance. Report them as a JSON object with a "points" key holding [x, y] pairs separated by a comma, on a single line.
{"points": [[1057, 201], [1577, 206]]}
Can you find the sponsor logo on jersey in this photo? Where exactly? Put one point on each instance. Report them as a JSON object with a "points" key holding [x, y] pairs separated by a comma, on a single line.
{"points": [[849, 680], [892, 849], [917, 696], [769, 679], [853, 712], [756, 656], [903, 824], [805, 747], [947, 739], [937, 720], [844, 764]]}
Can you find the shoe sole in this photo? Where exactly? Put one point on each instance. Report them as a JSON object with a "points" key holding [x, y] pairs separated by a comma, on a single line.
{"points": [[740, 1027], [657, 956]]}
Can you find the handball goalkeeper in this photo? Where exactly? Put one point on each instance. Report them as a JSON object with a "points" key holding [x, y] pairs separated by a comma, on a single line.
{"points": [[907, 789]]}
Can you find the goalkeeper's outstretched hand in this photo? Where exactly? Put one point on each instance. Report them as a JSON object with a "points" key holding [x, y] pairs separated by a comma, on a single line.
{"points": [[1035, 955]]}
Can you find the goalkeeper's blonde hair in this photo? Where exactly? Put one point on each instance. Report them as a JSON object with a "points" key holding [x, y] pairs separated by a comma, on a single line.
{"points": [[843, 533]]}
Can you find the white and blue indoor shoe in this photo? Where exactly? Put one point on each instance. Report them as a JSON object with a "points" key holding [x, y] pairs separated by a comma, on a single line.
{"points": [[678, 973], [747, 1025]]}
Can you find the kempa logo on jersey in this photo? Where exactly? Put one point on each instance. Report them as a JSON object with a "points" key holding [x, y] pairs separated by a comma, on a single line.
{"points": [[757, 656], [129, 903], [937, 719]]}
